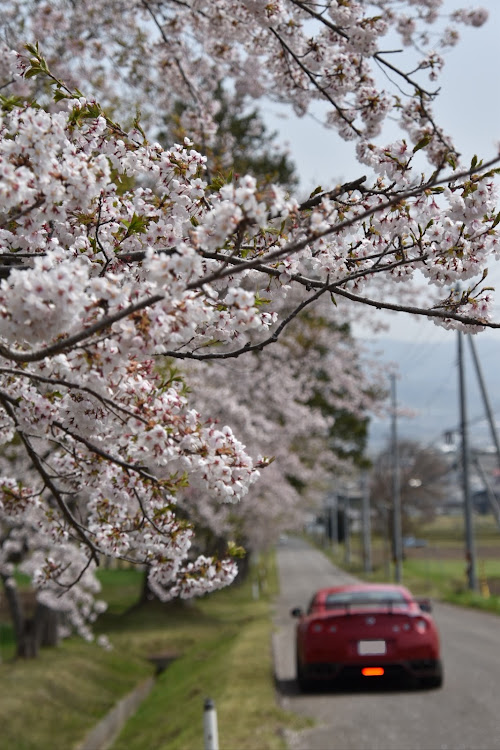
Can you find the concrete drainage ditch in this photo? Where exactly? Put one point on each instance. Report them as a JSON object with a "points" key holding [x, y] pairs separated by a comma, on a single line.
{"points": [[102, 736]]}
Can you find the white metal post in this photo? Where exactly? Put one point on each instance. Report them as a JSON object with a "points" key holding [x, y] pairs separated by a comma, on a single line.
{"points": [[210, 731]]}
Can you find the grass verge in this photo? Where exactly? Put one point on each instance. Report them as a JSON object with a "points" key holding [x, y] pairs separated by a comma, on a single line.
{"points": [[223, 648], [230, 662], [51, 702]]}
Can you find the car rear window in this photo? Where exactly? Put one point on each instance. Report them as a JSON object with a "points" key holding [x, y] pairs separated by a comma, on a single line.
{"points": [[375, 598]]}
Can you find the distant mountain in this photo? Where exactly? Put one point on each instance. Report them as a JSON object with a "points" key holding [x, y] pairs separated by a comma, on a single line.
{"points": [[428, 385]]}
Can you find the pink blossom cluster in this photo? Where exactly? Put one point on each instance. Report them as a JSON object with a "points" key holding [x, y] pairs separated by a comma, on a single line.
{"points": [[288, 50], [275, 416]]}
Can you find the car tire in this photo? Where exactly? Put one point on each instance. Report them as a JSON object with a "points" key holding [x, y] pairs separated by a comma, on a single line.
{"points": [[435, 681], [305, 685]]}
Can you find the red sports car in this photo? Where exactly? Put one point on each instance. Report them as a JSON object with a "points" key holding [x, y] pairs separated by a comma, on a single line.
{"points": [[367, 630]]}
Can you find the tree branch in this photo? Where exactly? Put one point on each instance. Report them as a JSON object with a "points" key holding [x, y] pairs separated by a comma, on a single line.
{"points": [[296, 247], [67, 343], [311, 77], [105, 455], [432, 313], [107, 402], [35, 459]]}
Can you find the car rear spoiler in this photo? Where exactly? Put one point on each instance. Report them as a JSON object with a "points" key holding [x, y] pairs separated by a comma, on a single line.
{"points": [[389, 603], [424, 604]]}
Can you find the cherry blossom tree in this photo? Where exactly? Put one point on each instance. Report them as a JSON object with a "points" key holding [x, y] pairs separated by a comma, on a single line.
{"points": [[118, 253], [292, 416]]}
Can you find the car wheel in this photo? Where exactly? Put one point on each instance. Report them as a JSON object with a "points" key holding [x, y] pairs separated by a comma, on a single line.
{"points": [[435, 681], [305, 685]]}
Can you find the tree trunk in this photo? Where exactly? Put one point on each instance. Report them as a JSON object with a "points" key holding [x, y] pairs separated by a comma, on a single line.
{"points": [[28, 642], [47, 625], [243, 568], [146, 593], [30, 632], [24, 630]]}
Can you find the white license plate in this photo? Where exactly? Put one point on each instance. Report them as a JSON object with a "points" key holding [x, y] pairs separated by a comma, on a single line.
{"points": [[367, 648]]}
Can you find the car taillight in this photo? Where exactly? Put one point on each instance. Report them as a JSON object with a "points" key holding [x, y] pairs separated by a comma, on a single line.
{"points": [[372, 671], [421, 626]]}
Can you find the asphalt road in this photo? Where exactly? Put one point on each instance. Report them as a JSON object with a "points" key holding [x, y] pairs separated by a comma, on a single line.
{"points": [[463, 715]]}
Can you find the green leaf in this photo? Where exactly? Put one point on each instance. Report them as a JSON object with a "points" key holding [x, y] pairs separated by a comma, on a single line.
{"points": [[316, 191], [35, 70], [475, 162], [496, 221], [59, 94], [32, 48], [8, 103], [221, 179], [212, 342], [451, 161], [235, 550], [136, 225], [93, 110], [423, 142], [137, 125], [53, 396], [259, 301]]}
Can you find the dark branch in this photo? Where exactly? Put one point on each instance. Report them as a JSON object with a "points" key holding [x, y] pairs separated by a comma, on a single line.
{"points": [[56, 494]]}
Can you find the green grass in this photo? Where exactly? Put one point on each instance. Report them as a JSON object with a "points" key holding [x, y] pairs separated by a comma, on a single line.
{"points": [[120, 588], [52, 701], [439, 570], [444, 528], [229, 661], [7, 645], [223, 648]]}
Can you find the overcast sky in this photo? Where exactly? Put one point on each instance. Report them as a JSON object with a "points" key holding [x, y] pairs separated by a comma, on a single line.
{"points": [[468, 108]]}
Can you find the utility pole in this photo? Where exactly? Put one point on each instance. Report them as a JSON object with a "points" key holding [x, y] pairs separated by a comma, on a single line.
{"points": [[386, 536], [396, 491], [486, 400], [365, 519], [470, 553], [332, 520], [347, 528]]}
